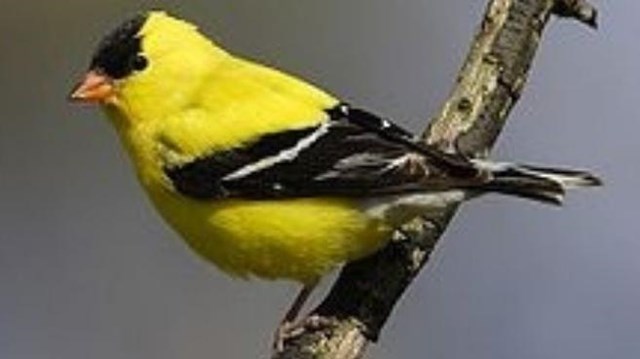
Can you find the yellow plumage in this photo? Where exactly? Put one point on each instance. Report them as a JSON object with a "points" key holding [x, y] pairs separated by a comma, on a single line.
{"points": [[299, 239], [265, 175], [167, 114], [213, 138]]}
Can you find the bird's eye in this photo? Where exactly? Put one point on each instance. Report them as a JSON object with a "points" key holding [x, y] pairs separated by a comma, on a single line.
{"points": [[140, 63]]}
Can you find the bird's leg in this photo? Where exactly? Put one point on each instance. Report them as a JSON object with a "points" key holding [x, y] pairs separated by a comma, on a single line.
{"points": [[288, 324], [298, 303]]}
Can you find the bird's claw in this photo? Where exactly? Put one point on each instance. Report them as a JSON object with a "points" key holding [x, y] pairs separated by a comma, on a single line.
{"points": [[288, 330]]}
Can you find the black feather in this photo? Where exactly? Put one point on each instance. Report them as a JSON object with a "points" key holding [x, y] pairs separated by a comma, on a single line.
{"points": [[117, 54], [354, 154], [357, 154]]}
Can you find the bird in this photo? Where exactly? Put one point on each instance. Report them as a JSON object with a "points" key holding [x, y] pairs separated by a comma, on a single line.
{"points": [[266, 175]]}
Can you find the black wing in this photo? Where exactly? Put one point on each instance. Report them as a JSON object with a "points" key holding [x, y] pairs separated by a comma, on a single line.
{"points": [[353, 154]]}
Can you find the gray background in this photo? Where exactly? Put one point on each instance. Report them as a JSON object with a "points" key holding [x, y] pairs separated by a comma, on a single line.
{"points": [[88, 270]]}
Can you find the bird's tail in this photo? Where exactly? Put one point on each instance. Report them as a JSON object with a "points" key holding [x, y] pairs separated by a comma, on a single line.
{"points": [[537, 183]]}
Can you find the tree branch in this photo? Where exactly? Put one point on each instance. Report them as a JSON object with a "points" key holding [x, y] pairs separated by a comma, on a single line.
{"points": [[488, 86]]}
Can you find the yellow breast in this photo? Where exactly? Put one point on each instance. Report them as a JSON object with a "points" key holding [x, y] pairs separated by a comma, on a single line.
{"points": [[300, 239], [237, 101]]}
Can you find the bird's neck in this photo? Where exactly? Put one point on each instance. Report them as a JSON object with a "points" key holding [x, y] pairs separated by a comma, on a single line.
{"points": [[137, 139]]}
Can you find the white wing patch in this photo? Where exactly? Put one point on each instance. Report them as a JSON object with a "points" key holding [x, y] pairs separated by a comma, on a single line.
{"points": [[369, 160], [399, 209], [284, 156]]}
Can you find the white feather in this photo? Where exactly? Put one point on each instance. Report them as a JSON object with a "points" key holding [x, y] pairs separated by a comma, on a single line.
{"points": [[283, 156], [399, 209]]}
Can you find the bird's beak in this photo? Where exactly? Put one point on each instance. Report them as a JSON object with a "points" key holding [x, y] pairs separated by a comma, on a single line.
{"points": [[93, 88]]}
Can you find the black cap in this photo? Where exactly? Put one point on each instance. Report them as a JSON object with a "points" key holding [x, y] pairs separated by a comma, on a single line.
{"points": [[118, 54]]}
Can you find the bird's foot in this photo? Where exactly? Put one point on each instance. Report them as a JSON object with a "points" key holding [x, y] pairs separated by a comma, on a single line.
{"points": [[288, 330]]}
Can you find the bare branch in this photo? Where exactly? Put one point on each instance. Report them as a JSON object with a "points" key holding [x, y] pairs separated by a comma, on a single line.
{"points": [[488, 86]]}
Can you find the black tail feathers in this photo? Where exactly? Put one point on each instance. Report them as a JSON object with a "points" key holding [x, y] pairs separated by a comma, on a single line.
{"points": [[547, 185]]}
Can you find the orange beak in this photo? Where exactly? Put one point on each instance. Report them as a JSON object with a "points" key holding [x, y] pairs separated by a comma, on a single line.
{"points": [[93, 88]]}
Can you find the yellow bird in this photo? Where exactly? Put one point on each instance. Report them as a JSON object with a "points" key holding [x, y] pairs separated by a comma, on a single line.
{"points": [[266, 175]]}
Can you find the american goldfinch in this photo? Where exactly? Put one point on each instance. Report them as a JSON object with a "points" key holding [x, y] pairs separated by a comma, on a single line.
{"points": [[265, 175]]}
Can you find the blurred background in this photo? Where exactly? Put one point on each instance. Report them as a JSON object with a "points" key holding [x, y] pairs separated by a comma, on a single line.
{"points": [[88, 270]]}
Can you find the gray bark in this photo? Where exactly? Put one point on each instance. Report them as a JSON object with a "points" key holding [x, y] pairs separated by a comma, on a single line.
{"points": [[487, 87]]}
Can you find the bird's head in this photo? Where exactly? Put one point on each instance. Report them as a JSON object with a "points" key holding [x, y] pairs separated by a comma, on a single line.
{"points": [[148, 65]]}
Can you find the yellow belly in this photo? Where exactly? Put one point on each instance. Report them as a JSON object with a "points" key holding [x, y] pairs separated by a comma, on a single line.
{"points": [[299, 239]]}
